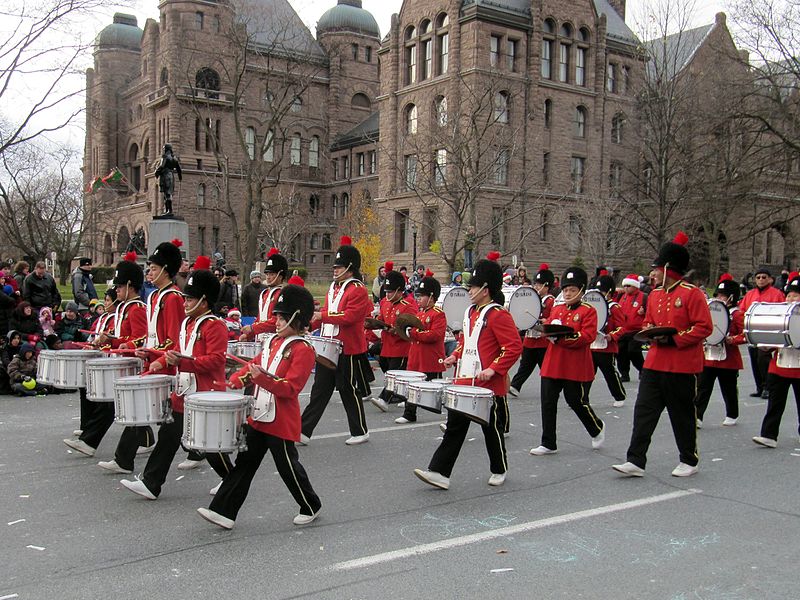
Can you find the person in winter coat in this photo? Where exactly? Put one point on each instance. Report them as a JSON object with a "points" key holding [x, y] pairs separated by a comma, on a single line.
{"points": [[47, 321], [25, 320], [9, 349], [82, 285], [7, 304], [68, 328], [251, 293], [228, 293], [21, 270], [40, 289], [22, 373]]}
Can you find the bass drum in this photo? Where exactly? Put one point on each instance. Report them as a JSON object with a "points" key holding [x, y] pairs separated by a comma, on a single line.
{"points": [[600, 305], [721, 320], [454, 301], [524, 305]]}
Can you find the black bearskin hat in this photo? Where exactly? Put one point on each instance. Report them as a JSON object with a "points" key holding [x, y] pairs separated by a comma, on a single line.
{"points": [[129, 273], [728, 287], [168, 255], [394, 281], [604, 283], [348, 256], [295, 298], [202, 283], [429, 286], [545, 276], [489, 273], [793, 285], [674, 254], [276, 263], [574, 276]]}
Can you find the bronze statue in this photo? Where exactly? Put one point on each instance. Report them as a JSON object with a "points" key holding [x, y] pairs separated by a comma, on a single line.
{"points": [[165, 172]]}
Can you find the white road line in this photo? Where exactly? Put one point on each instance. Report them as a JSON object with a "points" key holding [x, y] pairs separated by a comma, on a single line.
{"points": [[376, 559], [327, 436]]}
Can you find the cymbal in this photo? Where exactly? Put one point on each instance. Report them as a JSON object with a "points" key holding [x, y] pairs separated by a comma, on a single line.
{"points": [[408, 320], [371, 323], [552, 330], [646, 335]]}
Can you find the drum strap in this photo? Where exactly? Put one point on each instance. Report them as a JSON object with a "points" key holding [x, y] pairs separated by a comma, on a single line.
{"points": [[153, 310], [120, 313], [264, 301], [187, 382], [470, 364], [264, 408], [328, 329]]}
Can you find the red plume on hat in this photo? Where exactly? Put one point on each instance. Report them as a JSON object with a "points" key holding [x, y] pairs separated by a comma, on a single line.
{"points": [[493, 255], [346, 240], [681, 238], [296, 280], [272, 251], [725, 277], [544, 267], [130, 256], [603, 272], [177, 243], [792, 275], [389, 266], [202, 262], [428, 273]]}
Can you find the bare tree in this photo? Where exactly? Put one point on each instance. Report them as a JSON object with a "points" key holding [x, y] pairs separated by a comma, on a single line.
{"points": [[286, 217]]}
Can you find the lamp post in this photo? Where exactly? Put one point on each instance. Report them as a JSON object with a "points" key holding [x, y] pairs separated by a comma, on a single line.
{"points": [[414, 249]]}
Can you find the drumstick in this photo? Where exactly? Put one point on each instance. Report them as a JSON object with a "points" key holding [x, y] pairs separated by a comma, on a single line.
{"points": [[237, 359], [162, 352], [98, 333]]}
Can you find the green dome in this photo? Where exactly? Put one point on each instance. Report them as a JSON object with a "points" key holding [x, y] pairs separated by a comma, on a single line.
{"points": [[122, 33], [348, 15]]}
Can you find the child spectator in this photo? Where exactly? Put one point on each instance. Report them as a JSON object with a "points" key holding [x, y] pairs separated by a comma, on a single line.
{"points": [[233, 323], [22, 373], [68, 328], [53, 342], [96, 308], [47, 321]]}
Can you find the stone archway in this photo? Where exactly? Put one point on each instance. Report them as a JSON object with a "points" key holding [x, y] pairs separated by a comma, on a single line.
{"points": [[123, 240], [108, 250]]}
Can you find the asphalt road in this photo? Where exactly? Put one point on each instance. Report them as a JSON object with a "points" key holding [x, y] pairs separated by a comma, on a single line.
{"points": [[562, 526]]}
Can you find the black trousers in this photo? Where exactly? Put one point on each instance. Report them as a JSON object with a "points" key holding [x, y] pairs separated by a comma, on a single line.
{"points": [[530, 359], [675, 392], [86, 407], [606, 363], [96, 420], [727, 385], [446, 454], [231, 495], [759, 363], [630, 353], [345, 379], [778, 394], [392, 363], [129, 442], [410, 411], [169, 440], [576, 393]]}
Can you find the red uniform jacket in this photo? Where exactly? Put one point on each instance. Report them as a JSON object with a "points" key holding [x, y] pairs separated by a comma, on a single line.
{"points": [[133, 328], [616, 327], [427, 347], [774, 369], [393, 345], [499, 347], [209, 363], [733, 358], [633, 305], [768, 294], [267, 326], [540, 342], [354, 307], [684, 307], [570, 357], [170, 317], [291, 375]]}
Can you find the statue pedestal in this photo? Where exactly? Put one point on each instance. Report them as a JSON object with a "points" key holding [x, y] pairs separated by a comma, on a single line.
{"points": [[166, 230]]}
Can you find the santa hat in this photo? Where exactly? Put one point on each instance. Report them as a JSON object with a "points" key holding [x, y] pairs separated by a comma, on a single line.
{"points": [[631, 279], [234, 312]]}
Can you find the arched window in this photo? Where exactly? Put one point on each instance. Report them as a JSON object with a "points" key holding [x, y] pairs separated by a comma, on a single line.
{"points": [[313, 152], [314, 241], [440, 110], [501, 107], [269, 147], [250, 142], [295, 157], [580, 122], [207, 79], [411, 56], [345, 207], [442, 44], [548, 42], [617, 127], [549, 26], [297, 104], [163, 80], [442, 21], [411, 119], [201, 195], [585, 35], [198, 20], [313, 204], [411, 33], [361, 101], [565, 31], [326, 241], [425, 27]]}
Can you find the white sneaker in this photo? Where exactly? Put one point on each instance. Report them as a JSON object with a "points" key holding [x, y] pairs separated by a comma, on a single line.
{"points": [[300, 519], [189, 464], [684, 470], [443, 427], [542, 451], [401, 420], [401, 405], [699, 424], [137, 486], [213, 491], [111, 465], [216, 518], [513, 392], [145, 449], [618, 404], [766, 442], [597, 441], [304, 439], [497, 479], [728, 422], [433, 478], [629, 469], [382, 404], [357, 439], [80, 446], [77, 432]]}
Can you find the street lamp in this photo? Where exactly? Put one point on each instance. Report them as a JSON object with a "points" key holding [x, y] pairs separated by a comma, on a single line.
{"points": [[414, 249]]}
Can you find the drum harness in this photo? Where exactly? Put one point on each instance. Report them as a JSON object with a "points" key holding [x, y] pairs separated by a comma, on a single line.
{"points": [[264, 407]]}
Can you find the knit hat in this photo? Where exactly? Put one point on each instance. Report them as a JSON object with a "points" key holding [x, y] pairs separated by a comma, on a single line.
{"points": [[8, 290], [85, 262], [794, 285], [394, 281], [254, 274], [576, 277], [168, 255], [429, 286], [764, 270], [295, 299], [71, 306], [544, 275], [26, 347], [728, 287], [674, 254], [631, 279], [348, 255], [129, 273], [202, 284], [93, 302]]}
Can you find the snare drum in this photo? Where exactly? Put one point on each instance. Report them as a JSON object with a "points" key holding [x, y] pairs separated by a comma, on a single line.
{"points": [[232, 347], [213, 421], [247, 350], [721, 320], [68, 370], [773, 325], [454, 301], [524, 305], [427, 394], [397, 381], [475, 403], [47, 367], [327, 349], [143, 400], [598, 302], [101, 373]]}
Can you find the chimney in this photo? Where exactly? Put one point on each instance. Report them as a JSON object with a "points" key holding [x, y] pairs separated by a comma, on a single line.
{"points": [[619, 6]]}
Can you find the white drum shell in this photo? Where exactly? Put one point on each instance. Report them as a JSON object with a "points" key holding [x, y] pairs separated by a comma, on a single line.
{"points": [[102, 372], [597, 301], [70, 367], [247, 350], [427, 394], [472, 402], [47, 367], [524, 305], [773, 325], [327, 349], [212, 421], [397, 380], [143, 400], [454, 301], [720, 319]]}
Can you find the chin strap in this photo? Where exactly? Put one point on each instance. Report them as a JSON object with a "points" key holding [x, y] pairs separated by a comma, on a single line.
{"points": [[288, 323]]}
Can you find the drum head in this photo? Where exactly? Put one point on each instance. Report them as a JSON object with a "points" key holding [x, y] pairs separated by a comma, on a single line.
{"points": [[720, 319], [599, 304], [454, 301], [427, 385], [468, 390], [524, 305], [400, 374], [216, 399]]}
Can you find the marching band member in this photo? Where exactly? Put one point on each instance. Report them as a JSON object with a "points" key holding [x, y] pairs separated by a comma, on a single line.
{"points": [[489, 347], [604, 348], [723, 362], [279, 373], [394, 349], [347, 305], [669, 377], [199, 358], [568, 364], [164, 315], [534, 345], [276, 270], [633, 303], [426, 353], [783, 374]]}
